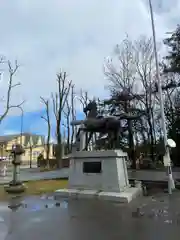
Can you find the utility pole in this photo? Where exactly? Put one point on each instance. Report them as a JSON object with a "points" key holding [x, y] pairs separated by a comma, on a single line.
{"points": [[22, 121], [167, 155]]}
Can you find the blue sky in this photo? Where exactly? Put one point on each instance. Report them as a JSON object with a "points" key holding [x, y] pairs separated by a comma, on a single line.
{"points": [[32, 123], [73, 35]]}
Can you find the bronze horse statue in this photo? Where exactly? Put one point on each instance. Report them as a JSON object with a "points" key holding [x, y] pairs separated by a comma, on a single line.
{"points": [[99, 124], [110, 125]]}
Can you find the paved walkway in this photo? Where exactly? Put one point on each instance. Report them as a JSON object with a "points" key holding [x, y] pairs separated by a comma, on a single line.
{"points": [[150, 175], [22, 167], [34, 174]]}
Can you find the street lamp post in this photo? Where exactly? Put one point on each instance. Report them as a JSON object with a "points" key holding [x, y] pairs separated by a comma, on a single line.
{"points": [[22, 121], [167, 155], [16, 186], [15, 170]]}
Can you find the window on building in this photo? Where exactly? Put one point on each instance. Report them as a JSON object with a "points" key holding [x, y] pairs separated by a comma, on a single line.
{"points": [[35, 153]]}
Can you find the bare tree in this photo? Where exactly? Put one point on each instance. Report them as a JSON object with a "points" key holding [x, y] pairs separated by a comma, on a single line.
{"points": [[122, 77], [31, 146], [145, 68], [83, 98], [73, 116], [134, 72], [70, 115], [59, 100], [67, 115], [11, 85], [48, 121], [122, 80]]}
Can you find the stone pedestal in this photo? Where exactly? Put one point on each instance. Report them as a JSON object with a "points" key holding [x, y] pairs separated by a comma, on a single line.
{"points": [[99, 170], [99, 174], [82, 136], [15, 186], [15, 189]]}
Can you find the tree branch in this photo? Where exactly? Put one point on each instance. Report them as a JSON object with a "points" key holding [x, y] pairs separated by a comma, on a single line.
{"points": [[47, 119], [12, 71]]}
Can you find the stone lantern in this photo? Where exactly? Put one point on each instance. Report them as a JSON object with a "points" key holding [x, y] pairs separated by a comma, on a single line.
{"points": [[16, 186]]}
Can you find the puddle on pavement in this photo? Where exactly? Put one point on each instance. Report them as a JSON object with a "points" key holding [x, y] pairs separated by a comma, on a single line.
{"points": [[45, 202], [4, 207], [155, 209], [31, 204]]}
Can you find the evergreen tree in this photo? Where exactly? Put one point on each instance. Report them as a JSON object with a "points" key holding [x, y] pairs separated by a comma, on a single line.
{"points": [[172, 110], [173, 58]]}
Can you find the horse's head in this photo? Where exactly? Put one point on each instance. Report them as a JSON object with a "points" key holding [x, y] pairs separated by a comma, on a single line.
{"points": [[87, 108], [91, 107]]}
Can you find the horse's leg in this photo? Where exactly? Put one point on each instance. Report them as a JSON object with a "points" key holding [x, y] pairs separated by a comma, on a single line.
{"points": [[110, 142], [88, 141], [114, 139], [77, 143], [77, 134]]}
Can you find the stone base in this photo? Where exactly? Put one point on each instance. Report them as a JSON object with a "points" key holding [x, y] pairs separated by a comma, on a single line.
{"points": [[122, 197], [67, 193], [15, 189], [88, 194], [110, 163]]}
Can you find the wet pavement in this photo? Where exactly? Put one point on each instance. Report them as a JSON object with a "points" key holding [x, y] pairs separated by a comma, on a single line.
{"points": [[153, 217]]}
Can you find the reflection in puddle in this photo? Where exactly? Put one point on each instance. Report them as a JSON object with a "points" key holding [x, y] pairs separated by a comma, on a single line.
{"points": [[64, 204], [33, 204], [46, 197], [4, 208], [34, 208], [1, 219], [38, 204], [43, 197], [36, 220], [41, 206]]}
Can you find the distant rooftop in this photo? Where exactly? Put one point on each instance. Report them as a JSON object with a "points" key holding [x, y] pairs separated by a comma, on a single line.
{"points": [[6, 138]]}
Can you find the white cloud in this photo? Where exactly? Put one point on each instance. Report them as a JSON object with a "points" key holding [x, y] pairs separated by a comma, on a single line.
{"points": [[10, 132], [75, 35]]}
